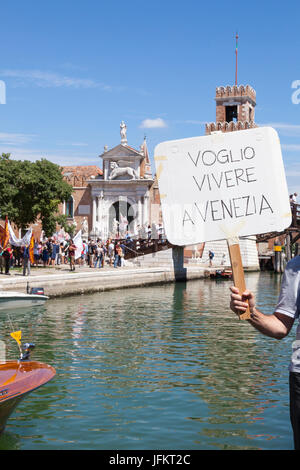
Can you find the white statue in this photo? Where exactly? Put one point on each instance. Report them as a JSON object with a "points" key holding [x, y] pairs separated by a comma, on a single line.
{"points": [[85, 227], [119, 169], [115, 226], [123, 130]]}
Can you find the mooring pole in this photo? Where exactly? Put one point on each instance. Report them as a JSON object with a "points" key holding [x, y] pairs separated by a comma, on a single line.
{"points": [[277, 257]]}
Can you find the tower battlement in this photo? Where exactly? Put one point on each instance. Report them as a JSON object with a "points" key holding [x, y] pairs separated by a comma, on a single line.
{"points": [[228, 126], [236, 92]]}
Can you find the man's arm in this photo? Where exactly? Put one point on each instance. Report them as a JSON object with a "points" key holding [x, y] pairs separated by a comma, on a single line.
{"points": [[276, 325]]}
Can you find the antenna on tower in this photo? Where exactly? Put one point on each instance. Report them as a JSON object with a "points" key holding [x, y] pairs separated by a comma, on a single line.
{"points": [[236, 57]]}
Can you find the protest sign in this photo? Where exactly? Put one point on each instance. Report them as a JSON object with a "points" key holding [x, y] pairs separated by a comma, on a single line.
{"points": [[223, 186]]}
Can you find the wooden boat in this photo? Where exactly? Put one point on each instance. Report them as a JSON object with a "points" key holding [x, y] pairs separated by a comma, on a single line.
{"points": [[17, 379], [11, 299], [222, 274]]}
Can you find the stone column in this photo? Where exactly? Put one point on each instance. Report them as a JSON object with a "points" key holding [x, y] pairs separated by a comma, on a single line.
{"points": [[105, 218], [94, 213], [145, 210], [140, 215], [105, 168], [99, 213]]}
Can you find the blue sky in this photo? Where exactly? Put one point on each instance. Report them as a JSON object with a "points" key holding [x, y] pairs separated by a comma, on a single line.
{"points": [[73, 70]]}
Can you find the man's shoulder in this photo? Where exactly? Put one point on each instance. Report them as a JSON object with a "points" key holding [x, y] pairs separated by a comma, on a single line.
{"points": [[293, 267], [294, 262]]}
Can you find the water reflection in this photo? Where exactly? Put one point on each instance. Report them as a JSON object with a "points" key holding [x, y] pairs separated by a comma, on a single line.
{"points": [[159, 367], [234, 371]]}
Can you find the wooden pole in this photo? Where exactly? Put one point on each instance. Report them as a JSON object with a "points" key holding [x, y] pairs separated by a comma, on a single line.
{"points": [[288, 247], [236, 58], [277, 264], [238, 271], [277, 257]]}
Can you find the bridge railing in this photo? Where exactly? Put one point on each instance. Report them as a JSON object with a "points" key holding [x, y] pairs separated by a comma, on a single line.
{"points": [[295, 214], [140, 247]]}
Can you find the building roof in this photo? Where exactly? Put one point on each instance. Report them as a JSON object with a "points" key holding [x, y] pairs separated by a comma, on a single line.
{"points": [[78, 175]]}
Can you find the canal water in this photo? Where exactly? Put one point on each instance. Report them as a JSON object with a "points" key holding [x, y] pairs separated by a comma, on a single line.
{"points": [[161, 367]]}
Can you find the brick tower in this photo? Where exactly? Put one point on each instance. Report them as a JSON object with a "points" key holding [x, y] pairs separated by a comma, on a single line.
{"points": [[234, 109]]}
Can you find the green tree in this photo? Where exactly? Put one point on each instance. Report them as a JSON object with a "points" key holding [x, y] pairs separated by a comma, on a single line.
{"points": [[32, 190]]}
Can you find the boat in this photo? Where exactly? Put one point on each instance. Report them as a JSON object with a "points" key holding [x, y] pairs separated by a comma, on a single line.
{"points": [[12, 299], [18, 379], [222, 274]]}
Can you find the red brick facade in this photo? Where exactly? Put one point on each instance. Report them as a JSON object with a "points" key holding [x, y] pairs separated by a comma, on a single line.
{"points": [[77, 176]]}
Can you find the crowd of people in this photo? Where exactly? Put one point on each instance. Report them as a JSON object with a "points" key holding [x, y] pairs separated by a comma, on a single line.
{"points": [[94, 253]]}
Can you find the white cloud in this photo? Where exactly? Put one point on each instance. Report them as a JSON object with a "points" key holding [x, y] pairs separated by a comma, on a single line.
{"points": [[72, 144], [60, 158], [191, 121], [284, 128], [292, 174], [153, 123], [291, 147], [15, 139], [49, 79], [79, 144]]}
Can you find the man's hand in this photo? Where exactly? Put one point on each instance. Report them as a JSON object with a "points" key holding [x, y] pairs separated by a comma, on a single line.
{"points": [[276, 325], [238, 303]]}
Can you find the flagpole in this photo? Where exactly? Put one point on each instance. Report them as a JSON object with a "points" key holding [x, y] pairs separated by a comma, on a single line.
{"points": [[236, 57]]}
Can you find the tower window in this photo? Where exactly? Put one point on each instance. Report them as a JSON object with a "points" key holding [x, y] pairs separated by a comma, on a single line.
{"points": [[231, 113]]}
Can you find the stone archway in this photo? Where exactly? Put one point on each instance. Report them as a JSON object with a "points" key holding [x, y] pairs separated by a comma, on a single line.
{"points": [[119, 212]]}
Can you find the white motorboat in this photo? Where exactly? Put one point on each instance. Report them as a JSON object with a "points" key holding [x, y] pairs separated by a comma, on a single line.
{"points": [[11, 299]]}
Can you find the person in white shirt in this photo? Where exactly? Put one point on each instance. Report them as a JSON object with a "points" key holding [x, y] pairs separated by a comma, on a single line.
{"points": [[278, 325]]}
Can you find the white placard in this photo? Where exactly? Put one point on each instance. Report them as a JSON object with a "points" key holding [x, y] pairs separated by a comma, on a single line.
{"points": [[222, 185]]}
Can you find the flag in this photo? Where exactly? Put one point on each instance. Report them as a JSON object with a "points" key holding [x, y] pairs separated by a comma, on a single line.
{"points": [[4, 234], [19, 241], [236, 57], [16, 335], [78, 243], [123, 224], [31, 252], [60, 236], [124, 220]]}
